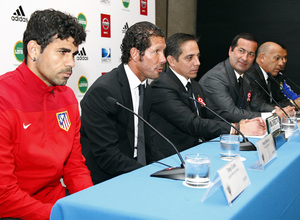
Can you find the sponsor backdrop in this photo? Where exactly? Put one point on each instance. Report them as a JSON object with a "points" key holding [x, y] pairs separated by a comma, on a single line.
{"points": [[105, 21]]}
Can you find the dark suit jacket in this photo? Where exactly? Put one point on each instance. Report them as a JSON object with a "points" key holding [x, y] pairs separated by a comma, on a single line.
{"points": [[220, 86], [277, 94], [107, 132], [176, 118]]}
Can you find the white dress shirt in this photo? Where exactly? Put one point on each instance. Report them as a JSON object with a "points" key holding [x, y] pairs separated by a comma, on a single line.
{"points": [[134, 83]]}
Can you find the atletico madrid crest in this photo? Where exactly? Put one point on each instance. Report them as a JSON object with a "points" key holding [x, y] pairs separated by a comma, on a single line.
{"points": [[63, 120]]}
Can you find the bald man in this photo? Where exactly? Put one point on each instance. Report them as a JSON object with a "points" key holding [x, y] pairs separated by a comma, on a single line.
{"points": [[229, 91], [270, 61]]}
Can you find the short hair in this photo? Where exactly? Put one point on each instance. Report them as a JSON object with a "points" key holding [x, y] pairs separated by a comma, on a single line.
{"points": [[138, 36], [175, 41], [43, 25], [246, 36]]}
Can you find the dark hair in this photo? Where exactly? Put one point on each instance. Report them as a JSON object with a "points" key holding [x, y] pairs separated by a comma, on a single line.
{"points": [[44, 25], [138, 36], [175, 41], [246, 36]]}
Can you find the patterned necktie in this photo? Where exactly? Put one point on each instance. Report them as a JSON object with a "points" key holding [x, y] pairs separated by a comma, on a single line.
{"points": [[141, 155], [269, 88]]}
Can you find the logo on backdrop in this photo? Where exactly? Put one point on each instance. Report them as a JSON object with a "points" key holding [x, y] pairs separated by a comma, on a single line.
{"points": [[82, 84], [82, 55], [143, 7], [19, 15], [125, 28], [106, 55], [105, 25], [18, 51], [63, 120], [126, 3], [82, 20]]}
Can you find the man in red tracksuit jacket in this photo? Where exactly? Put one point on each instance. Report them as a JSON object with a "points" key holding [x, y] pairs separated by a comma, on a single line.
{"points": [[40, 121]]}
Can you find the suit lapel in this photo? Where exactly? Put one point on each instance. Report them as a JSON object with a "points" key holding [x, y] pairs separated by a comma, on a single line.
{"points": [[175, 80], [127, 100], [181, 89], [198, 94], [232, 78], [147, 101], [261, 76]]}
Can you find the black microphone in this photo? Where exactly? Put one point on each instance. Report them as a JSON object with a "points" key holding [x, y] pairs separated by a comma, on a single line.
{"points": [[288, 79], [270, 75], [245, 145], [253, 79], [177, 173]]}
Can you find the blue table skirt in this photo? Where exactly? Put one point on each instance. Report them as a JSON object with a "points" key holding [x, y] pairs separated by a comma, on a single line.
{"points": [[273, 193]]}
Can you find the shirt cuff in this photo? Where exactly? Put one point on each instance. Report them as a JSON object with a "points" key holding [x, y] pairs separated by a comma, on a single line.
{"points": [[265, 115]]}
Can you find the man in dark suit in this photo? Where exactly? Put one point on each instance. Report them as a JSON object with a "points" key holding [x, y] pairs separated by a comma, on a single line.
{"points": [[270, 61], [181, 120], [287, 90], [110, 135], [227, 87]]}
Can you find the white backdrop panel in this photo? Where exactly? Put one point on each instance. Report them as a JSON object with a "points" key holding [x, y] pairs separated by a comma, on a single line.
{"points": [[91, 65]]}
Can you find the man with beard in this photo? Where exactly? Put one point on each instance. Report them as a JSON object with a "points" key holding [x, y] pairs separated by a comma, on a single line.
{"points": [[181, 120], [112, 138], [40, 120]]}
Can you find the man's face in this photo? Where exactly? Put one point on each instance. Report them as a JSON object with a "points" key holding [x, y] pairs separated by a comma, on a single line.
{"points": [[54, 65], [188, 62], [284, 60], [242, 57], [151, 64], [272, 61]]}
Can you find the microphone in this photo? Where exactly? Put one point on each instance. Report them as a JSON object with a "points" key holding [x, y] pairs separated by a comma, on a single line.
{"points": [[290, 81], [177, 173], [253, 79], [270, 75], [245, 145]]}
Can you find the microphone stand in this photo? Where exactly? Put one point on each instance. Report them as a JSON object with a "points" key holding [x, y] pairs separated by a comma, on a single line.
{"points": [[270, 96], [290, 81], [245, 145], [284, 90], [252, 78], [177, 173]]}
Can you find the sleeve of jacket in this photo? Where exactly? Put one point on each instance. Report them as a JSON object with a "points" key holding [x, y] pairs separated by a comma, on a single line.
{"points": [[100, 121], [217, 88], [288, 92], [14, 202], [278, 92], [169, 104], [258, 103], [76, 174]]}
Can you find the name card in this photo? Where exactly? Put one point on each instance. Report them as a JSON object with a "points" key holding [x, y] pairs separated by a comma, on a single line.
{"points": [[234, 179], [266, 149], [273, 124]]}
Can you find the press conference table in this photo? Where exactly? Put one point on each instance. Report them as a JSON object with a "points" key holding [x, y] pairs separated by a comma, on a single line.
{"points": [[273, 193]]}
